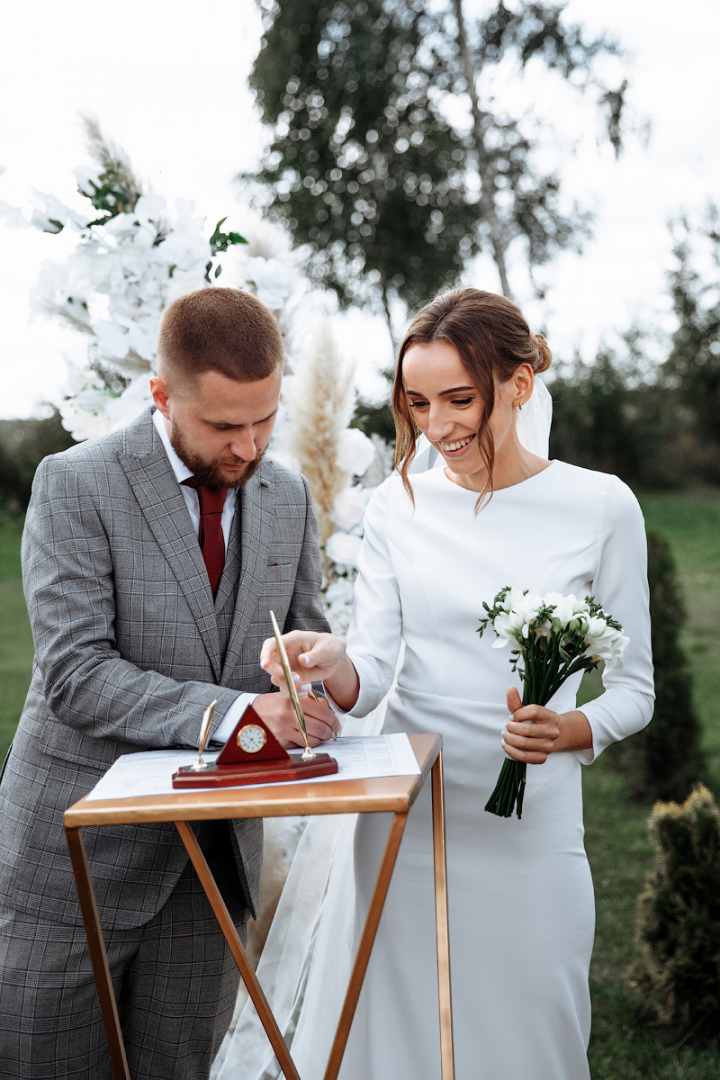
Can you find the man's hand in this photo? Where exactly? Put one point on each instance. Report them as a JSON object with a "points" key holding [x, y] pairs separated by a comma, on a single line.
{"points": [[277, 712]]}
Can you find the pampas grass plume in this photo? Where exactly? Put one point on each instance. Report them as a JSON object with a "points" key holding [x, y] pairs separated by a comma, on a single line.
{"points": [[321, 409]]}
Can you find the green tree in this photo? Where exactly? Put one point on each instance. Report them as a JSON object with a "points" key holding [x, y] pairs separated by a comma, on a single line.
{"points": [[693, 366], [366, 168], [23, 445], [611, 416]]}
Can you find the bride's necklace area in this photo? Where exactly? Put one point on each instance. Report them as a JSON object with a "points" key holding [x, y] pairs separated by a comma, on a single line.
{"points": [[462, 481]]}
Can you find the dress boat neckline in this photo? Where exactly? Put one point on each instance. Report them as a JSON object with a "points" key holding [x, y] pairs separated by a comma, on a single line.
{"points": [[499, 491]]}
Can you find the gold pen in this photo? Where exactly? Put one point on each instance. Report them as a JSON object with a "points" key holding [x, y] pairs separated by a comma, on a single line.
{"points": [[308, 753], [204, 732]]}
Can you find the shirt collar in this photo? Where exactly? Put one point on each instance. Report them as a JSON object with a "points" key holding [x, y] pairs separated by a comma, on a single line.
{"points": [[179, 467]]}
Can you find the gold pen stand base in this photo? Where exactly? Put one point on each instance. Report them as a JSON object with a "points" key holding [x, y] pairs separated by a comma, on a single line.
{"points": [[260, 772]]}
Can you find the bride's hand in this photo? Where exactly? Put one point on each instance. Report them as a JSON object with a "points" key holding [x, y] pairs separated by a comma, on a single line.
{"points": [[313, 657], [532, 734]]}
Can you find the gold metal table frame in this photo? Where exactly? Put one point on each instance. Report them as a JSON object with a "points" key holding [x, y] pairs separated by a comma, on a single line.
{"points": [[385, 794]]}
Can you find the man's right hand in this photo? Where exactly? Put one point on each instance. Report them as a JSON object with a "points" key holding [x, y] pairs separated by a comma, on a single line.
{"points": [[277, 712]]}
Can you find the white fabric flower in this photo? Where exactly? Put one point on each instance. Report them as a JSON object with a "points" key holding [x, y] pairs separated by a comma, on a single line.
{"points": [[338, 601], [189, 251], [148, 209], [127, 233], [121, 411], [13, 216], [111, 339], [52, 215], [343, 548], [356, 452], [284, 457], [86, 178], [271, 279], [349, 507]]}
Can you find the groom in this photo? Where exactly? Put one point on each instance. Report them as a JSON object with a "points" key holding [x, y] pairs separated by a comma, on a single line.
{"points": [[151, 561]]}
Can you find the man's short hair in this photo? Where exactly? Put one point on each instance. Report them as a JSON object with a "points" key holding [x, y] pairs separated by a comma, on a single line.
{"points": [[225, 330]]}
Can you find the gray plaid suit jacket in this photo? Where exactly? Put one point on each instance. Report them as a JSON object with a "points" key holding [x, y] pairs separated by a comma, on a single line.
{"points": [[127, 657]]}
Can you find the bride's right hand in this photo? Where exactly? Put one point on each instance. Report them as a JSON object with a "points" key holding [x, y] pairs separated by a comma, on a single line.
{"points": [[313, 657]]}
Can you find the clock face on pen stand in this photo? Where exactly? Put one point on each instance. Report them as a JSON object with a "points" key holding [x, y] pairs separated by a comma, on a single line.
{"points": [[251, 738]]}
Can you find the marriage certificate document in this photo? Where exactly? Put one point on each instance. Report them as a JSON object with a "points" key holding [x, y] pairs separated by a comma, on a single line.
{"points": [[359, 757]]}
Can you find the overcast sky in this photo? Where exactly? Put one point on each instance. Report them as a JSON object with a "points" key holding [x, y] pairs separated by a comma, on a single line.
{"points": [[168, 80]]}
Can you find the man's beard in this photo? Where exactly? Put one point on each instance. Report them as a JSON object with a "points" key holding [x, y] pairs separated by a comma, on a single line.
{"points": [[210, 475]]}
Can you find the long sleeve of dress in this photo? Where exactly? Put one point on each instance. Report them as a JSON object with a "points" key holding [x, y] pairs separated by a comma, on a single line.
{"points": [[620, 585], [374, 637]]}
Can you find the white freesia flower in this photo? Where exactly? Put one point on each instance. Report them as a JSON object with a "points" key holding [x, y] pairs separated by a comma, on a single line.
{"points": [[356, 452], [566, 607], [606, 642], [349, 507], [343, 548]]}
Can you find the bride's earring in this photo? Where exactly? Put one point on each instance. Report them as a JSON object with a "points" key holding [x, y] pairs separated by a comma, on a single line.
{"points": [[520, 406]]}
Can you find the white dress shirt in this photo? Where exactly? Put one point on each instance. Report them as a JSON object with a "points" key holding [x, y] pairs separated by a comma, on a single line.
{"points": [[227, 725]]}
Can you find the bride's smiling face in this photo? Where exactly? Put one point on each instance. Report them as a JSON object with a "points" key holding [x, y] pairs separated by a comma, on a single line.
{"points": [[448, 408]]}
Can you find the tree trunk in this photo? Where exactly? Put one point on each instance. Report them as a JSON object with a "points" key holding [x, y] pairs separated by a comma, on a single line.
{"points": [[488, 189], [386, 306]]}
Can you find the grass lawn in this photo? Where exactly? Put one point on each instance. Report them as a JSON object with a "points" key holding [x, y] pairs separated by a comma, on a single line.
{"points": [[626, 1044], [16, 648]]}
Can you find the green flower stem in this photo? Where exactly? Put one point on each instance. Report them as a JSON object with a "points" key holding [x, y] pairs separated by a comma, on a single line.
{"points": [[543, 675]]}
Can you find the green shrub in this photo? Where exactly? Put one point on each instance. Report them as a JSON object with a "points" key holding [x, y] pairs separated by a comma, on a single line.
{"points": [[678, 922], [664, 760]]}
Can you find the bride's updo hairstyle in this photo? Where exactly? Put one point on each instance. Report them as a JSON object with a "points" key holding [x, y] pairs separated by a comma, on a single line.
{"points": [[491, 338]]}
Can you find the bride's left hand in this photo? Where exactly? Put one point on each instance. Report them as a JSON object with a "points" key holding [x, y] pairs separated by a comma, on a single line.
{"points": [[532, 734]]}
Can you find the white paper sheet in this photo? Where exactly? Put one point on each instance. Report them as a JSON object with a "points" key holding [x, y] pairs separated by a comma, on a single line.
{"points": [[358, 757]]}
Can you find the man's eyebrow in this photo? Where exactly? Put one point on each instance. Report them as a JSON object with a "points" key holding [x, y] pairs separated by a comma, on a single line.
{"points": [[443, 393], [227, 424]]}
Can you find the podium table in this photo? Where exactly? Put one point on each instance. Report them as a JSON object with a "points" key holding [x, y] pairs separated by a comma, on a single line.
{"points": [[394, 794]]}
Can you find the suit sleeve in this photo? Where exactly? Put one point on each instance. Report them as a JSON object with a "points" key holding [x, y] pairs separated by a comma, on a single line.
{"points": [[305, 611], [69, 588]]}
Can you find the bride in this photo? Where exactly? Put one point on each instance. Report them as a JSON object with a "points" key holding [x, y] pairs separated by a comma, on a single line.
{"points": [[437, 544]]}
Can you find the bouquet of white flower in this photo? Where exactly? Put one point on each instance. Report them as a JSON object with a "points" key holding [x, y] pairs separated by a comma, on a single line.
{"points": [[556, 636]]}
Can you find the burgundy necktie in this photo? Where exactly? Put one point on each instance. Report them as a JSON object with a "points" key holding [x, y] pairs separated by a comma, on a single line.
{"points": [[212, 543]]}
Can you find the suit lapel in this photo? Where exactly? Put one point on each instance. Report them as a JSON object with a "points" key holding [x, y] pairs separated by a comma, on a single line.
{"points": [[256, 527], [159, 496]]}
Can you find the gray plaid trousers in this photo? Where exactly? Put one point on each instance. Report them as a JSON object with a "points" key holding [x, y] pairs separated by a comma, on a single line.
{"points": [[175, 984]]}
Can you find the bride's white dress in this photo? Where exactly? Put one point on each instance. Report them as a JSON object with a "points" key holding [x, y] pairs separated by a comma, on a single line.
{"points": [[520, 892]]}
